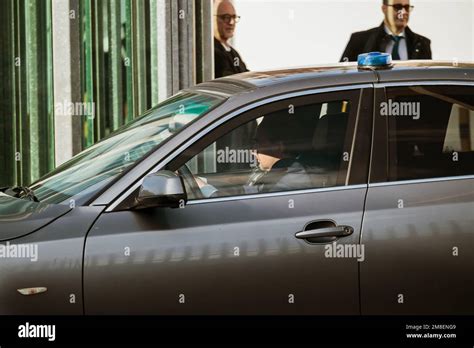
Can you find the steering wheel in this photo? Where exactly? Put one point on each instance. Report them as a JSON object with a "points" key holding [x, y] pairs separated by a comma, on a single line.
{"points": [[188, 177]]}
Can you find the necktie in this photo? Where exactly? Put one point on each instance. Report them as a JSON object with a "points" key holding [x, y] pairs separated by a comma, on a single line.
{"points": [[395, 54]]}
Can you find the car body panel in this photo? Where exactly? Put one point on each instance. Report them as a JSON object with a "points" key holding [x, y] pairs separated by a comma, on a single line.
{"points": [[19, 217], [409, 248], [157, 255], [191, 251], [426, 70], [58, 267], [417, 233]]}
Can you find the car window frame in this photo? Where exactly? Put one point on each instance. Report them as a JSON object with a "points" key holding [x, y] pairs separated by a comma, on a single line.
{"points": [[364, 104], [380, 163]]}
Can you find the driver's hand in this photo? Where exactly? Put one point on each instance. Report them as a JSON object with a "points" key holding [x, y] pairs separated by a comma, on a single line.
{"points": [[200, 181]]}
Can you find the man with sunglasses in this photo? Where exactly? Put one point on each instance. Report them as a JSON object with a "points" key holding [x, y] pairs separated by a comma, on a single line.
{"points": [[392, 36], [227, 60]]}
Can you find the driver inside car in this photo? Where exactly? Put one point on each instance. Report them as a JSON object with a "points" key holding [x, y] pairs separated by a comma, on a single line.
{"points": [[278, 167]]}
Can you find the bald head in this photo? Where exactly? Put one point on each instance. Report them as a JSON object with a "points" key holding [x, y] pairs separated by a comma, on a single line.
{"points": [[223, 29]]}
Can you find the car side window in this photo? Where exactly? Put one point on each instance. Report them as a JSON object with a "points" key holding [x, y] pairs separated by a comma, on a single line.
{"points": [[300, 145], [430, 131]]}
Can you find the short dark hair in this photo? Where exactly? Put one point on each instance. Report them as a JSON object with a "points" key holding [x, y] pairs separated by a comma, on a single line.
{"points": [[385, 2], [274, 130]]}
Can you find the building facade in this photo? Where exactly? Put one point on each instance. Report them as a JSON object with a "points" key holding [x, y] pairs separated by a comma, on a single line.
{"points": [[73, 71]]}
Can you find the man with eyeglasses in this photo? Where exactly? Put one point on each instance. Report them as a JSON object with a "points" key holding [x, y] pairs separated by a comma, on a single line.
{"points": [[227, 60], [392, 36]]}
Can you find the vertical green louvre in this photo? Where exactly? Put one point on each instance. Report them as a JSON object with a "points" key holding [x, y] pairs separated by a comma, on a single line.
{"points": [[119, 62], [87, 73], [119, 77], [26, 104], [115, 95], [127, 20], [153, 71]]}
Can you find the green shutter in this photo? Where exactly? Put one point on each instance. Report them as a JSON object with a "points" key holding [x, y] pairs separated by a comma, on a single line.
{"points": [[26, 108]]}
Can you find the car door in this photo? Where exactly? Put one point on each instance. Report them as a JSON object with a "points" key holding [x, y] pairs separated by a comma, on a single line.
{"points": [[418, 226], [237, 252]]}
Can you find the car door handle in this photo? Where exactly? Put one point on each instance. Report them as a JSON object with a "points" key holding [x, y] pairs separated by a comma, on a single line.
{"points": [[336, 231]]}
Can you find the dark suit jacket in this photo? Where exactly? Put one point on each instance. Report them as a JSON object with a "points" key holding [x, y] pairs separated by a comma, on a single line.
{"points": [[224, 62], [241, 138], [376, 39]]}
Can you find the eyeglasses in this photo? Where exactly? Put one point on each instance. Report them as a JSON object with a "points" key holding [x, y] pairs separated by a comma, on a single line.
{"points": [[399, 7], [227, 18]]}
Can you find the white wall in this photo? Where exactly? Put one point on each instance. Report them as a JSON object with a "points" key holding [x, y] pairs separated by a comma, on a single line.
{"points": [[284, 33]]}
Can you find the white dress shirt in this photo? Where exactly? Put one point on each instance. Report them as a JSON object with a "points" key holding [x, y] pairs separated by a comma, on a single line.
{"points": [[402, 46]]}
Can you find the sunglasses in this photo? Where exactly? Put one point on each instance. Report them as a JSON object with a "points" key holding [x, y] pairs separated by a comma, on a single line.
{"points": [[399, 7], [227, 18]]}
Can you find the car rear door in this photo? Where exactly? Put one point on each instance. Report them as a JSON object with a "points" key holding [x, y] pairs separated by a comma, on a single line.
{"points": [[418, 225], [238, 253]]}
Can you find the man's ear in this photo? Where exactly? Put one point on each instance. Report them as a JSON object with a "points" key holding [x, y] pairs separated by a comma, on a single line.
{"points": [[384, 9]]}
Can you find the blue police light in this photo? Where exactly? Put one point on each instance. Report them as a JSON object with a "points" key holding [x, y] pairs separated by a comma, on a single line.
{"points": [[374, 60]]}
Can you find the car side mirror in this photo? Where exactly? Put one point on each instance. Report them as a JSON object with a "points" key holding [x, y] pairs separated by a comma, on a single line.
{"points": [[161, 189]]}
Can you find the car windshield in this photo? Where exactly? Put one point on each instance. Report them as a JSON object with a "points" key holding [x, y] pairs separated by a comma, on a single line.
{"points": [[80, 178]]}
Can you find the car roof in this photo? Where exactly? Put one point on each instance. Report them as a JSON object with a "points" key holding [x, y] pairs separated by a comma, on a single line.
{"points": [[285, 80]]}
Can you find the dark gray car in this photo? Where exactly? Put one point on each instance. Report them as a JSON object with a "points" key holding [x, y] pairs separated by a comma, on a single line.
{"points": [[325, 190]]}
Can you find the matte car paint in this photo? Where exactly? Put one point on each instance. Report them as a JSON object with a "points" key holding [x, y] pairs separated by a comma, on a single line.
{"points": [[58, 268], [409, 250], [191, 251], [20, 216]]}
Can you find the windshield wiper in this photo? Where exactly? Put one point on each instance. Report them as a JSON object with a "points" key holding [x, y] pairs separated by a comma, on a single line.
{"points": [[20, 192]]}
